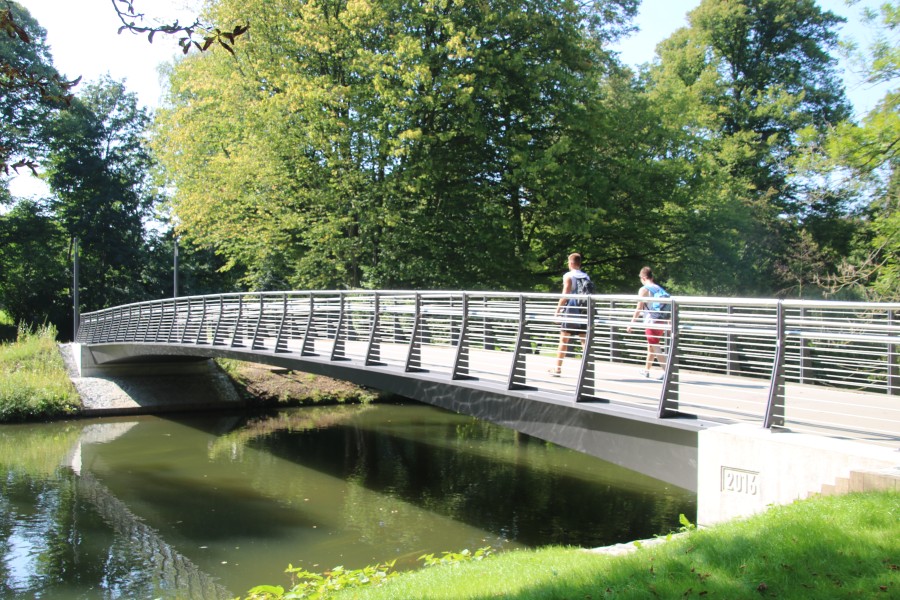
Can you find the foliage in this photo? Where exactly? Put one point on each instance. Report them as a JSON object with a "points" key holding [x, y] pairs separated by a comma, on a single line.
{"points": [[455, 558], [33, 380], [31, 88], [315, 586], [868, 153], [388, 134], [839, 546], [99, 171], [34, 275], [130, 17], [738, 86]]}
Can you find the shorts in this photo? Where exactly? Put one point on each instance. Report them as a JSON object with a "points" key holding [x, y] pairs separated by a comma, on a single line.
{"points": [[575, 320], [574, 327], [654, 336]]}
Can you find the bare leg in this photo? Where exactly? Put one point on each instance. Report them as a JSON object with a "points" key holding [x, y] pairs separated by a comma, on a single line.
{"points": [[561, 350], [653, 354]]}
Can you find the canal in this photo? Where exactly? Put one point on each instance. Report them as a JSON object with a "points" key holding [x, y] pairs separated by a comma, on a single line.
{"points": [[209, 505]]}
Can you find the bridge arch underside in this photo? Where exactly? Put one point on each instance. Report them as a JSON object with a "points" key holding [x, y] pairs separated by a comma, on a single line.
{"points": [[666, 449]]}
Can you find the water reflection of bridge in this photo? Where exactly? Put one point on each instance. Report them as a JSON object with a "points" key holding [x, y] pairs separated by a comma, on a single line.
{"points": [[827, 368], [172, 572]]}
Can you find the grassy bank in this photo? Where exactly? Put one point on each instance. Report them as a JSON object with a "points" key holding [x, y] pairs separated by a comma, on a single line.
{"points": [[824, 547], [33, 380]]}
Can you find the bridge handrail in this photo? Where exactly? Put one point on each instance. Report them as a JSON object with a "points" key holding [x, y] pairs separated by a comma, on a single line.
{"points": [[845, 345]]}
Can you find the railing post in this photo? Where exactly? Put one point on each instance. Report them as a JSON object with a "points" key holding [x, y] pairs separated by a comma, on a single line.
{"points": [[280, 345], [308, 346], [218, 326], [669, 395], [587, 375], [173, 322], [373, 353], [805, 357], [613, 346], [235, 337], [519, 360], [774, 411], [259, 319], [338, 348], [730, 352], [893, 369], [461, 361], [187, 322], [414, 355], [202, 322], [159, 321]]}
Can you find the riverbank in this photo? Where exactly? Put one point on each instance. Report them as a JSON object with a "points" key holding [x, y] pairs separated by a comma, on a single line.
{"points": [[823, 547], [202, 385]]}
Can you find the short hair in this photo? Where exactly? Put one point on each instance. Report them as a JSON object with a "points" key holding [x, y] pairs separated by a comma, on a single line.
{"points": [[647, 273], [575, 257]]}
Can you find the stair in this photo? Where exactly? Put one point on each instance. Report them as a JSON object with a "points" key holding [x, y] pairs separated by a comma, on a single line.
{"points": [[864, 481]]}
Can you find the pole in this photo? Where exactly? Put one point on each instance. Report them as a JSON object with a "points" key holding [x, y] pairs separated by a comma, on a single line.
{"points": [[175, 270], [75, 310]]}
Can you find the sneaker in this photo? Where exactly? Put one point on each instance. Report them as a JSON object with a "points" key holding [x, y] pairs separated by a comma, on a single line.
{"points": [[644, 373]]}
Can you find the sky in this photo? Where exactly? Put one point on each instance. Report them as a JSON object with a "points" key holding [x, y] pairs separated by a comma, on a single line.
{"points": [[83, 39]]}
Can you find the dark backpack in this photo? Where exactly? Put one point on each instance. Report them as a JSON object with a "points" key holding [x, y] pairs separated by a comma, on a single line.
{"points": [[582, 286], [660, 311]]}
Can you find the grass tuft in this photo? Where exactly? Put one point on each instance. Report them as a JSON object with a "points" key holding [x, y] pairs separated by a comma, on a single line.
{"points": [[33, 380]]}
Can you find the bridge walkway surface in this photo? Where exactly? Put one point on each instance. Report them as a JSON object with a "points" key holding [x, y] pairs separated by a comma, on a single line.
{"points": [[761, 401]]}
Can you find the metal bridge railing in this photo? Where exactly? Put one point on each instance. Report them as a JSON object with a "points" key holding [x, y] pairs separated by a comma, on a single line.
{"points": [[782, 363]]}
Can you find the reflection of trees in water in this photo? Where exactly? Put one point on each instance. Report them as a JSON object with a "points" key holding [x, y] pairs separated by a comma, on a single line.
{"points": [[485, 476], [37, 449], [55, 538], [232, 444]]}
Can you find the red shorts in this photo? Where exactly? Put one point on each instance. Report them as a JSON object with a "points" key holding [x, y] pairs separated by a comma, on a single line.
{"points": [[654, 336]]}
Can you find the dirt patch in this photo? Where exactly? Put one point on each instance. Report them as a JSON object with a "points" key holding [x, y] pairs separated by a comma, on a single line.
{"points": [[267, 385]]}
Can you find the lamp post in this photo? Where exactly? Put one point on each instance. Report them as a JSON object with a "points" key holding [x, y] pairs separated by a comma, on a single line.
{"points": [[75, 310], [175, 269]]}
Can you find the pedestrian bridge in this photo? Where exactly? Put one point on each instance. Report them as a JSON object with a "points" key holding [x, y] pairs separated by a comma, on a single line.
{"points": [[767, 366]]}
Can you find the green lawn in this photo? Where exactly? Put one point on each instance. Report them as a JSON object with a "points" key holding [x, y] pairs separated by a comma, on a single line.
{"points": [[821, 548]]}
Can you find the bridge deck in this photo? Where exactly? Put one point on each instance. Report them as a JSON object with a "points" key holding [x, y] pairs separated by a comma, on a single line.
{"points": [[720, 398]]}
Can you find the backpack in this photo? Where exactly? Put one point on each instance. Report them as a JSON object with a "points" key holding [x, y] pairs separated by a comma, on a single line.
{"points": [[659, 311], [582, 286]]}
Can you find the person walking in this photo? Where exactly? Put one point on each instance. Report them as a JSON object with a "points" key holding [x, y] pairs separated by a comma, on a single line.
{"points": [[651, 321], [574, 321]]}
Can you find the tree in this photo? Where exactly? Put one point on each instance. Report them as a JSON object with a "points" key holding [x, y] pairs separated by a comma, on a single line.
{"points": [[34, 276], [31, 88], [745, 79], [389, 144], [870, 153], [99, 171]]}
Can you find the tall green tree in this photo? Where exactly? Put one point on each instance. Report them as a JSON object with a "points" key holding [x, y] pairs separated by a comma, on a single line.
{"points": [[98, 169], [743, 80], [389, 144], [869, 151]]}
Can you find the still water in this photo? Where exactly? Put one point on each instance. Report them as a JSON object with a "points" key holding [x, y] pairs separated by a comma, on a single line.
{"points": [[207, 506]]}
